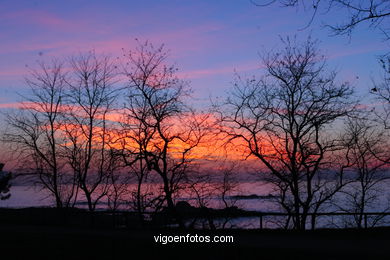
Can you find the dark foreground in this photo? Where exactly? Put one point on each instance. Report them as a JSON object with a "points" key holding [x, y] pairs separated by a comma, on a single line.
{"points": [[47, 233], [50, 242]]}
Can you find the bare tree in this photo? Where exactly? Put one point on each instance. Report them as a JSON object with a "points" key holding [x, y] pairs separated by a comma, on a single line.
{"points": [[381, 91], [381, 110], [5, 185], [284, 120], [372, 12], [90, 98], [135, 135], [36, 133], [364, 143], [170, 131], [117, 191], [132, 141], [225, 188], [201, 189], [209, 187], [228, 185]]}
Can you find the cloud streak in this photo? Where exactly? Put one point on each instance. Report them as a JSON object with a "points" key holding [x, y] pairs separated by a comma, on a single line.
{"points": [[202, 73]]}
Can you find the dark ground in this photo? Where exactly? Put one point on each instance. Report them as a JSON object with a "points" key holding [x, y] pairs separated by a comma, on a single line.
{"points": [[54, 242], [47, 233]]}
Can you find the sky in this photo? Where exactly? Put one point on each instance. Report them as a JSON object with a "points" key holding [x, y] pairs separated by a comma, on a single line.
{"points": [[208, 40]]}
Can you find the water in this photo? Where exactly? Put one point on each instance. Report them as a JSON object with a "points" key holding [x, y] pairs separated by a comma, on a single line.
{"points": [[28, 196]]}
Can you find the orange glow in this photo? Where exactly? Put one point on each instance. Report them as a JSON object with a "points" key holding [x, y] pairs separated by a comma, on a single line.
{"points": [[213, 145]]}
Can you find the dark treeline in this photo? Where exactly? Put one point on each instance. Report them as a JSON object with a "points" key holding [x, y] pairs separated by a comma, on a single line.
{"points": [[93, 124]]}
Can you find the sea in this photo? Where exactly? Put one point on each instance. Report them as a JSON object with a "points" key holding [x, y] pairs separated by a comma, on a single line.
{"points": [[258, 196]]}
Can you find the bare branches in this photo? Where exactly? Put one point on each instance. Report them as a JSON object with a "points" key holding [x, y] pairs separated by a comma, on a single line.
{"points": [[364, 144], [36, 131], [381, 91], [62, 129], [372, 12], [5, 184], [282, 120], [160, 131], [90, 99]]}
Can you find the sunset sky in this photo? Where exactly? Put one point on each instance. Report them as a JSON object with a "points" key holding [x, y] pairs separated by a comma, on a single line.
{"points": [[209, 40]]}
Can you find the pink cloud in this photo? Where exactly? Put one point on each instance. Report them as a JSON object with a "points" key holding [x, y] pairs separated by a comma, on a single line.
{"points": [[11, 105], [182, 41], [40, 18], [184, 37], [66, 47], [12, 72], [192, 74], [356, 51]]}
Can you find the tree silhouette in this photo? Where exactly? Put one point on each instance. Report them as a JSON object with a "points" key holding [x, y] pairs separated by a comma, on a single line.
{"points": [[35, 132], [164, 130], [364, 143], [381, 91], [4, 184], [283, 121], [90, 99], [375, 13]]}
